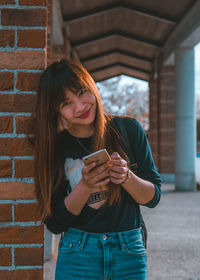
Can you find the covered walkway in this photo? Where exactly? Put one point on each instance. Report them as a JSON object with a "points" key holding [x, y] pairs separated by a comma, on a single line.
{"points": [[150, 40]]}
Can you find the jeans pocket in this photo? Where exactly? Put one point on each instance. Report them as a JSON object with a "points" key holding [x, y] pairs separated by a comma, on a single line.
{"points": [[68, 245], [135, 247]]}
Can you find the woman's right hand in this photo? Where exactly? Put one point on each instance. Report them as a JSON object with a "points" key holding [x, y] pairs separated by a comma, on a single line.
{"points": [[95, 177]]}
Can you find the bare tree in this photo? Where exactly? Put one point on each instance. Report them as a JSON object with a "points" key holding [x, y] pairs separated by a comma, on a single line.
{"points": [[125, 99]]}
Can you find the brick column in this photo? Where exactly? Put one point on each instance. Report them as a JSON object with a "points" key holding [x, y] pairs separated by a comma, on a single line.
{"points": [[22, 58], [154, 119], [162, 121], [167, 122], [49, 29]]}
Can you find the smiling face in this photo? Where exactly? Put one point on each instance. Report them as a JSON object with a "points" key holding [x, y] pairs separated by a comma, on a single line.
{"points": [[79, 110]]}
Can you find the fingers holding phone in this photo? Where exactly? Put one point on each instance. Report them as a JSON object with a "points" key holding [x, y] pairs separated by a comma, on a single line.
{"points": [[95, 177], [119, 169], [95, 173]]}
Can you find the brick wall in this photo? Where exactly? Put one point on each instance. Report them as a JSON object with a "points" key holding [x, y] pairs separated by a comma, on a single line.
{"points": [[167, 120], [154, 119], [22, 58], [49, 28], [162, 124]]}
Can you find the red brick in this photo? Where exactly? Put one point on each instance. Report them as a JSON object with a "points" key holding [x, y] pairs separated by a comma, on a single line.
{"points": [[5, 168], [19, 274], [5, 213], [6, 124], [167, 107], [28, 81], [16, 190], [15, 147], [6, 81], [28, 256], [22, 60], [23, 17], [21, 235], [167, 69], [32, 2], [167, 136], [167, 149], [31, 38], [23, 168], [23, 124], [7, 38], [167, 122], [17, 102], [5, 257], [2, 2], [153, 123], [25, 212], [167, 165], [167, 94]]}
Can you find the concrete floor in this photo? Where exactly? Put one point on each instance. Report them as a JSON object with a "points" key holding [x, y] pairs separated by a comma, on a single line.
{"points": [[174, 236]]}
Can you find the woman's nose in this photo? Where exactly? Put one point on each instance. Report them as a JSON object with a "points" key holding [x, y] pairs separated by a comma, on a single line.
{"points": [[79, 105]]}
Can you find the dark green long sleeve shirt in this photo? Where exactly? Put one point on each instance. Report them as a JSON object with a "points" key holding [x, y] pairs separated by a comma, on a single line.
{"points": [[120, 217]]}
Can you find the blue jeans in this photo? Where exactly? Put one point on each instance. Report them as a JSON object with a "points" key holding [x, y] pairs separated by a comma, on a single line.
{"points": [[101, 256]]}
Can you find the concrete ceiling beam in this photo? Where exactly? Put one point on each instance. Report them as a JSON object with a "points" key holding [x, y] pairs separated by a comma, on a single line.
{"points": [[117, 57], [103, 36], [57, 25], [117, 5], [116, 70], [117, 51], [185, 33], [122, 65]]}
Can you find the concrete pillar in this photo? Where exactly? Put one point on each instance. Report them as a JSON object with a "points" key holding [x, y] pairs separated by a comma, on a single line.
{"points": [[47, 244], [185, 144]]}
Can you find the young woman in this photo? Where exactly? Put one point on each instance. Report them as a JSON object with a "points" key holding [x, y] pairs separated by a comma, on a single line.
{"points": [[96, 208]]}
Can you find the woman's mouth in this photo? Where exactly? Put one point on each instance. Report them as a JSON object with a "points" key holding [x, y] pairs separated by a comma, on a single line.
{"points": [[85, 115]]}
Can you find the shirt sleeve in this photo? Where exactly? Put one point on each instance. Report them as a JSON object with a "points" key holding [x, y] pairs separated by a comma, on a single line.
{"points": [[142, 153], [60, 219]]}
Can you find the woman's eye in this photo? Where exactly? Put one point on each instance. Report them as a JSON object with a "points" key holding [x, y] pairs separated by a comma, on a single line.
{"points": [[82, 92], [66, 103]]}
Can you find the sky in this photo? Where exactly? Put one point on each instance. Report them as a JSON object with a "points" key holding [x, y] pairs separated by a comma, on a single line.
{"points": [[144, 85]]}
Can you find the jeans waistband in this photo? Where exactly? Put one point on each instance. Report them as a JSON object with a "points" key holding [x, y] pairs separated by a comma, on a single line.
{"points": [[111, 237]]}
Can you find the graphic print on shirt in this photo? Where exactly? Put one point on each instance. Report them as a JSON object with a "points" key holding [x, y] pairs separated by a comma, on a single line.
{"points": [[73, 172]]}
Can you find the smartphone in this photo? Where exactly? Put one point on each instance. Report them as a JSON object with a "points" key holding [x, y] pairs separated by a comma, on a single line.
{"points": [[99, 157]]}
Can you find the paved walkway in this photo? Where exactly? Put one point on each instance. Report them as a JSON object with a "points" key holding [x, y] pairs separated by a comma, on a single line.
{"points": [[174, 236], [198, 169]]}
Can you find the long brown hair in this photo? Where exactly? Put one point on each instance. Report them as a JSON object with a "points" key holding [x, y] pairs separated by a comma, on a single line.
{"points": [[48, 162]]}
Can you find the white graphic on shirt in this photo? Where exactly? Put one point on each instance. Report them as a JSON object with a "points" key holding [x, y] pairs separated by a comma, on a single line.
{"points": [[72, 169]]}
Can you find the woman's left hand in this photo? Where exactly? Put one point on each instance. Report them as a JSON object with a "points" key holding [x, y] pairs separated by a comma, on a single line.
{"points": [[118, 169]]}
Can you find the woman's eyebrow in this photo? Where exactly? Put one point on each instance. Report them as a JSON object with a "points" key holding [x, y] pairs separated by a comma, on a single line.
{"points": [[79, 90], [66, 99]]}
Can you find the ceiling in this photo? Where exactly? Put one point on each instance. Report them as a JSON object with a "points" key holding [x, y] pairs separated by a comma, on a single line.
{"points": [[112, 37]]}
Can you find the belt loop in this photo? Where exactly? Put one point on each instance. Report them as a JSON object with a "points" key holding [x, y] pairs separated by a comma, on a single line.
{"points": [[83, 240], [121, 240]]}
